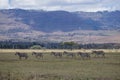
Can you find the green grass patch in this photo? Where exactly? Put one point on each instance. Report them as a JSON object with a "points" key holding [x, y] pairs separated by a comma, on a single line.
{"points": [[65, 68]]}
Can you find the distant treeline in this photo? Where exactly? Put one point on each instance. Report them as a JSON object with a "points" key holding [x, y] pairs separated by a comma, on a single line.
{"points": [[50, 45]]}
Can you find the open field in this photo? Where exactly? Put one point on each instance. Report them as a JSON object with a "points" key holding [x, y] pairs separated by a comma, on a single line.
{"points": [[55, 50], [65, 68]]}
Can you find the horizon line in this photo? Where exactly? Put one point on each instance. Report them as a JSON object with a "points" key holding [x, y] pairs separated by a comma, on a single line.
{"points": [[57, 10]]}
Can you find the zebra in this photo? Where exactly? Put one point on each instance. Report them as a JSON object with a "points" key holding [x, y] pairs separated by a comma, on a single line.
{"points": [[98, 53], [56, 54], [40, 55], [83, 55], [69, 54], [21, 55]]}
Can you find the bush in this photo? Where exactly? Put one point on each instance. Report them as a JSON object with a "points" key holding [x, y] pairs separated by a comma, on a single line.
{"points": [[36, 47]]}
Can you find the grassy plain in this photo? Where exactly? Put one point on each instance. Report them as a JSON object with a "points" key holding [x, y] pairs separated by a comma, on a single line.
{"points": [[65, 68]]}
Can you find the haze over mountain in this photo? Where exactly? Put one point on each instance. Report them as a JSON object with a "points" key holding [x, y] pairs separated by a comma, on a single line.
{"points": [[40, 22], [49, 21]]}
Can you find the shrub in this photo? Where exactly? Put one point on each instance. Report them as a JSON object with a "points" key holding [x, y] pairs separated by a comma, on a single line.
{"points": [[36, 47]]}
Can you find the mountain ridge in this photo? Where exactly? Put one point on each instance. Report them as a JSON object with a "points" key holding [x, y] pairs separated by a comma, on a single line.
{"points": [[34, 25], [49, 21]]}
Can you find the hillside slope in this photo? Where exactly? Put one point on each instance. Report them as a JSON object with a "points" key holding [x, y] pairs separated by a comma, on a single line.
{"points": [[82, 27], [50, 21]]}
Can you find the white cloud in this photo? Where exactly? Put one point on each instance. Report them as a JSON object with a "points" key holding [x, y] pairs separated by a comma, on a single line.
{"points": [[4, 4], [69, 5]]}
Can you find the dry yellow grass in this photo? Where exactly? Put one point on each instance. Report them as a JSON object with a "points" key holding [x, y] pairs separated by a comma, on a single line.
{"points": [[52, 68], [55, 50]]}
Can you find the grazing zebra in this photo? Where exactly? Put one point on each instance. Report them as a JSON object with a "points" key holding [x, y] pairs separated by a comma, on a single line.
{"points": [[69, 54], [98, 53], [83, 55], [56, 54], [40, 55], [21, 55]]}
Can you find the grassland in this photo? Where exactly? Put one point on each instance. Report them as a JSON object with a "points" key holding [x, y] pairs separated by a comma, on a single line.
{"points": [[66, 68]]}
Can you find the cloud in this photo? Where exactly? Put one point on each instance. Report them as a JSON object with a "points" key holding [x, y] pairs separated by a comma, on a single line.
{"points": [[111, 4], [4, 4], [68, 5]]}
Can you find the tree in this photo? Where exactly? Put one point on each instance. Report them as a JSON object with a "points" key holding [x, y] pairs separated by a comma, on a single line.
{"points": [[70, 45]]}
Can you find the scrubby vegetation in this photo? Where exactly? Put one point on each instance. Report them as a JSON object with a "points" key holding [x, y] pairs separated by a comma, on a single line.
{"points": [[56, 45]]}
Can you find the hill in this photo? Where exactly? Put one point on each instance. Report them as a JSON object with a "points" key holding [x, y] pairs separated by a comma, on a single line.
{"points": [[39, 25]]}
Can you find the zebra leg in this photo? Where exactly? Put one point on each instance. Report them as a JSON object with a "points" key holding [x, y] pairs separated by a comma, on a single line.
{"points": [[36, 56], [42, 56], [95, 56], [89, 57], [60, 56], [98, 56], [26, 57], [20, 58], [74, 56], [83, 58], [103, 55]]}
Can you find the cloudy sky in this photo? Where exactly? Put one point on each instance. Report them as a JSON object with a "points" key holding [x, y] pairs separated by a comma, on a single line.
{"points": [[68, 5]]}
